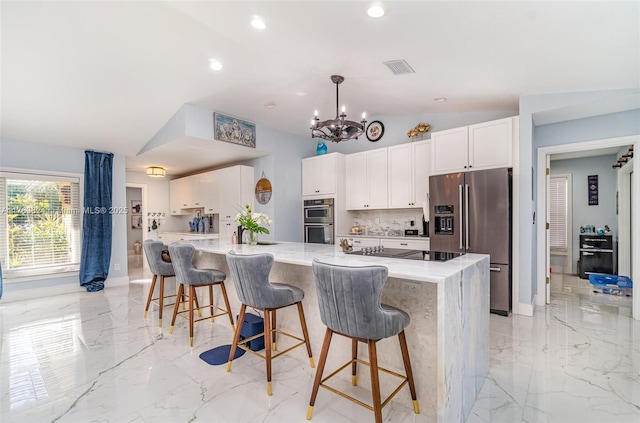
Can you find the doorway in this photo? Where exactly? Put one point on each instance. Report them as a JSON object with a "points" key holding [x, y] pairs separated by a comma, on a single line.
{"points": [[634, 236], [137, 227]]}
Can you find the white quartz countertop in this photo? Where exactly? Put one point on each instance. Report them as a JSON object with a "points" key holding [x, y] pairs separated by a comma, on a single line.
{"points": [[303, 254]]}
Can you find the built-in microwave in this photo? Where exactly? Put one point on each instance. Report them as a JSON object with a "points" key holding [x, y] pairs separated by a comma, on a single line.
{"points": [[318, 211]]}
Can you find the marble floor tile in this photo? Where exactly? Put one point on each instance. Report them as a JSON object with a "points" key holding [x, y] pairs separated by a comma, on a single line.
{"points": [[87, 357]]}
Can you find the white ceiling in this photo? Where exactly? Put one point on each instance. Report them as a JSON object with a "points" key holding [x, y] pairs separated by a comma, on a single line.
{"points": [[108, 75]]}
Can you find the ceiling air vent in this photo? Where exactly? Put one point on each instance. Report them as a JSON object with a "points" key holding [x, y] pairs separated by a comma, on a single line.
{"points": [[399, 67]]}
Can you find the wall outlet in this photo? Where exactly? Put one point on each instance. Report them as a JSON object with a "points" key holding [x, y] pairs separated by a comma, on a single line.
{"points": [[116, 266]]}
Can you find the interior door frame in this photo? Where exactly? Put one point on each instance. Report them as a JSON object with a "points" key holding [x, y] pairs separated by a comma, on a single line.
{"points": [[541, 199]]}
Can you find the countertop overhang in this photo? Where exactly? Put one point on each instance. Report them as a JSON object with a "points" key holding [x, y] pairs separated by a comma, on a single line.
{"points": [[302, 254]]}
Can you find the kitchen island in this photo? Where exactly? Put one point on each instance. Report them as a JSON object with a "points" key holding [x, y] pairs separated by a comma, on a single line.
{"points": [[448, 303]]}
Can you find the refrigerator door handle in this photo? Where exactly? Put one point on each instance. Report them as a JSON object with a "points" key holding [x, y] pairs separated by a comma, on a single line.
{"points": [[495, 269], [460, 198], [466, 215]]}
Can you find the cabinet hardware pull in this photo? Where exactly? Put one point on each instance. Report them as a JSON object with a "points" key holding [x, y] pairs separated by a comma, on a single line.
{"points": [[495, 269]]}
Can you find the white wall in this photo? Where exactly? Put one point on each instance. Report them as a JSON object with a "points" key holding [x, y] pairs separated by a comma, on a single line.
{"points": [[584, 214]]}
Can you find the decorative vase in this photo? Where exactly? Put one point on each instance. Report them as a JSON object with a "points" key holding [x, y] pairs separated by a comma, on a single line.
{"points": [[321, 148], [253, 238]]}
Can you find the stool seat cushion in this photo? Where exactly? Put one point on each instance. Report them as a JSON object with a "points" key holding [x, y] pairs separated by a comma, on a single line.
{"points": [[250, 273], [186, 272], [349, 301]]}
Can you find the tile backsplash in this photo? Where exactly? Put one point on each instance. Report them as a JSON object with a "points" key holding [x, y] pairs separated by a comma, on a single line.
{"points": [[387, 222]]}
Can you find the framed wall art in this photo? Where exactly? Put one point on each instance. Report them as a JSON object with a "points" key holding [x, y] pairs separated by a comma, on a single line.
{"points": [[136, 206], [234, 130]]}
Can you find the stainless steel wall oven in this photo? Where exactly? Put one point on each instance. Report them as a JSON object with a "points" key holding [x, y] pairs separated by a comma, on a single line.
{"points": [[318, 221]]}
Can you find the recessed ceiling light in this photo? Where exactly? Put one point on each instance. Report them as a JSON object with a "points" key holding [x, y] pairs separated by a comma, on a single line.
{"points": [[215, 64], [257, 22], [375, 11], [440, 99], [270, 105]]}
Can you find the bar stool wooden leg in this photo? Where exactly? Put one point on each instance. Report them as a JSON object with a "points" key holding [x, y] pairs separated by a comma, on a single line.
{"points": [[267, 347], [354, 364], [273, 329], [212, 309], [227, 305], [375, 381], [161, 301], [192, 300], [150, 296], [195, 298], [305, 333], [409, 372], [180, 294], [323, 360], [236, 335]]}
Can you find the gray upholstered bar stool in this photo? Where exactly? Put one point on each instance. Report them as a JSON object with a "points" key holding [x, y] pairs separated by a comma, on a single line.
{"points": [[250, 275], [188, 275], [349, 301], [159, 267]]}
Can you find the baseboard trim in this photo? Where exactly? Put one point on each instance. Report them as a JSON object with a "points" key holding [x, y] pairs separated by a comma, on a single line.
{"points": [[49, 291], [526, 309]]}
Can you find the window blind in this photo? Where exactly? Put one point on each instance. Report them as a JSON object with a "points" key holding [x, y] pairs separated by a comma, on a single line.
{"points": [[558, 212], [40, 227]]}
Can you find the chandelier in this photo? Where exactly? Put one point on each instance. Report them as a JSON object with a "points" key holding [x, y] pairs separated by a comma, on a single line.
{"points": [[338, 129]]}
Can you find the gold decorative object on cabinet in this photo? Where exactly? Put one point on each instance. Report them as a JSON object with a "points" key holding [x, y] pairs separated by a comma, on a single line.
{"points": [[419, 129]]}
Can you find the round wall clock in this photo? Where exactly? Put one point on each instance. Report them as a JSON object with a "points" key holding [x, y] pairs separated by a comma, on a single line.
{"points": [[375, 131]]}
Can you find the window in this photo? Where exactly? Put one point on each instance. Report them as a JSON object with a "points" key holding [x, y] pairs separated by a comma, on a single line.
{"points": [[559, 212], [39, 224]]}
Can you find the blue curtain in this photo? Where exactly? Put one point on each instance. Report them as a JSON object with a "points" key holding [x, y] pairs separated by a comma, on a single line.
{"points": [[96, 222]]}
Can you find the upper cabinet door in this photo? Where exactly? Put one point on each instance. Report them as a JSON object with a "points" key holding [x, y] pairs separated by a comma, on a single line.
{"points": [[449, 151], [409, 171], [400, 176], [179, 192], [491, 144], [356, 181], [235, 189], [421, 172], [377, 183], [319, 175]]}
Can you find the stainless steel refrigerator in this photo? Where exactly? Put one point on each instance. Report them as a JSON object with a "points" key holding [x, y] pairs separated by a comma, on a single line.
{"points": [[470, 212]]}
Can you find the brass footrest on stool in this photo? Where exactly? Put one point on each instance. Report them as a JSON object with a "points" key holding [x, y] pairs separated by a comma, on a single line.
{"points": [[360, 403]]}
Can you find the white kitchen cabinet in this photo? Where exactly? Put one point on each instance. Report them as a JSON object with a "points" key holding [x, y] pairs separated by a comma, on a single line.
{"points": [[406, 244], [226, 230], [207, 192], [491, 144], [319, 175], [179, 191], [235, 189], [360, 243], [449, 151], [486, 145], [409, 170], [192, 192], [366, 180]]}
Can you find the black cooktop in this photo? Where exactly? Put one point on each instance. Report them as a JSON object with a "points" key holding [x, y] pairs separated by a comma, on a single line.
{"points": [[406, 254]]}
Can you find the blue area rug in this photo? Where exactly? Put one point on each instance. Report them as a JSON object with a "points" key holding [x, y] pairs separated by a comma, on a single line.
{"points": [[220, 355]]}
